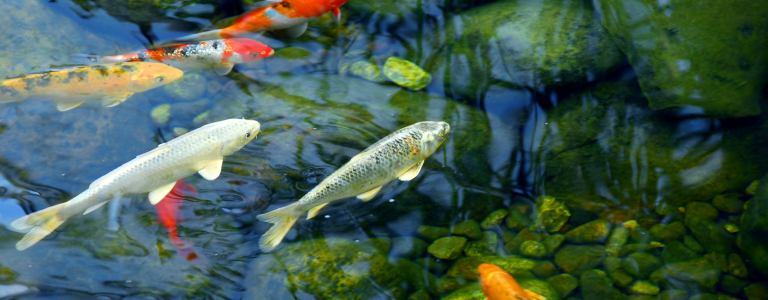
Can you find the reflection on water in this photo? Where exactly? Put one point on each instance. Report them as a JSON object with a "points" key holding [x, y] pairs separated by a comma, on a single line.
{"points": [[543, 100]]}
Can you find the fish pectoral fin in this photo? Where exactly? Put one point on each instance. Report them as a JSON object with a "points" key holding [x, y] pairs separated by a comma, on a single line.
{"points": [[112, 100], [211, 169], [95, 207], [296, 31], [159, 193], [411, 173], [336, 15], [534, 295], [223, 68], [313, 212], [65, 106], [369, 194]]}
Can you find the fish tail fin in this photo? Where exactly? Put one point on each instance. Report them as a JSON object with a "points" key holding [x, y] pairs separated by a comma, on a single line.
{"points": [[203, 36], [85, 58], [534, 295], [283, 218], [40, 224]]}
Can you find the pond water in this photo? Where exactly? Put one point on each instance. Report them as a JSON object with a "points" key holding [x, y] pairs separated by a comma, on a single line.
{"points": [[640, 122]]}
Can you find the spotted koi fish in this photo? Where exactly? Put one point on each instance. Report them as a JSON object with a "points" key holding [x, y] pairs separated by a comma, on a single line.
{"points": [[220, 54], [112, 84], [497, 284], [289, 15]]}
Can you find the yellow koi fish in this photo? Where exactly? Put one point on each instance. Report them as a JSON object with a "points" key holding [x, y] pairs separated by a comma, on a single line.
{"points": [[112, 84]]}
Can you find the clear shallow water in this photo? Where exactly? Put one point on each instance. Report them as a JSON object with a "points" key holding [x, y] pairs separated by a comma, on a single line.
{"points": [[529, 117]]}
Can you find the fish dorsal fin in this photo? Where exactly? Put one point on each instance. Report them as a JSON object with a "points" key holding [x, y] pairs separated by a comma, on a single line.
{"points": [[159, 193], [534, 295], [223, 68], [411, 173], [65, 106], [313, 212], [211, 169], [112, 100], [296, 31], [369, 194], [95, 207]]}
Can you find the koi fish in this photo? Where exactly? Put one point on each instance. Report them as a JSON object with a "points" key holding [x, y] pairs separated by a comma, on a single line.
{"points": [[156, 172], [221, 54], [289, 15], [112, 84], [399, 155], [499, 285], [168, 214]]}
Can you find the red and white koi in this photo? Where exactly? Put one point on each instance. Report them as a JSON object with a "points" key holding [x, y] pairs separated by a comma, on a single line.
{"points": [[289, 15], [221, 54], [168, 215]]}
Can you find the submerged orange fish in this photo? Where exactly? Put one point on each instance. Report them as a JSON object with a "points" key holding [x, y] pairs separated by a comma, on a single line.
{"points": [[499, 285], [168, 214], [289, 15], [111, 84]]}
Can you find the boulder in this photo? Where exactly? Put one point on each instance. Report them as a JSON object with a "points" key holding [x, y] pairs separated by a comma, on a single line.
{"points": [[447, 247], [576, 260], [596, 231], [754, 229]]}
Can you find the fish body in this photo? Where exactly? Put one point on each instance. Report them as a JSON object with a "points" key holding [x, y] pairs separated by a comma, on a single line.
{"points": [[168, 215], [156, 172], [398, 155], [111, 84], [499, 285], [289, 15], [221, 54]]}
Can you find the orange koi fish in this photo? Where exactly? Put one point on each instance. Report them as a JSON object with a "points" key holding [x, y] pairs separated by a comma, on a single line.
{"points": [[168, 214], [221, 54], [289, 15], [499, 285], [112, 84]]}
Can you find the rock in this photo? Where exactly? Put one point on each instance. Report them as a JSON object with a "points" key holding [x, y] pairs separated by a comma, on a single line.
{"points": [[596, 231], [447, 247], [467, 292], [564, 284], [161, 114], [732, 285], [620, 277], [752, 188], [473, 291], [726, 297], [431, 233], [191, 86], [406, 74], [718, 260], [640, 297], [662, 54], [736, 266], [435, 265], [692, 244], [553, 242], [513, 246], [468, 228], [710, 235], [701, 210], [640, 265], [495, 218], [467, 267], [673, 295], [507, 236], [408, 247], [754, 230], [618, 238], [757, 291], [728, 203], [544, 269], [699, 271], [640, 236], [381, 243], [533, 249], [484, 246], [576, 260], [704, 296], [420, 295], [730, 227], [517, 220], [644, 287], [632, 248], [595, 284], [367, 70], [447, 284], [551, 214], [676, 252], [417, 277], [325, 269], [7, 275], [669, 232]]}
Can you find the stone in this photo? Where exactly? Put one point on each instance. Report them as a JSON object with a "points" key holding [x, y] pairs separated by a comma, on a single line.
{"points": [[595, 284], [381, 243], [553, 242], [618, 238], [701, 210], [447, 284], [620, 277], [448, 247], [474, 291], [711, 236], [191, 86], [673, 295], [728, 203], [468, 228], [576, 260], [699, 271], [563, 283], [551, 214], [406, 74], [703, 296], [757, 291], [328, 268], [161, 114], [718, 260], [669, 232], [676, 252], [726, 297], [467, 267], [754, 230], [640, 236], [632, 248], [484, 246], [416, 276], [408, 247], [596, 231], [7, 275], [732, 285], [544, 269], [435, 265], [507, 236], [517, 220], [640, 265], [367, 70], [431, 233], [533, 249], [693, 244], [513, 246], [644, 287], [493, 219], [640, 297], [752, 188], [736, 266], [419, 295], [730, 227], [674, 51]]}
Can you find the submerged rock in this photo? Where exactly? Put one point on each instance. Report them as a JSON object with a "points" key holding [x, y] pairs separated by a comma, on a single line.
{"points": [[644, 287], [406, 74], [518, 220], [618, 239], [431, 233], [468, 228], [191, 86], [513, 246], [495, 218], [699, 271], [640, 265], [736, 266], [595, 284], [676, 252], [408, 247], [576, 260], [551, 214], [754, 229], [564, 284], [728, 203], [596, 231], [486, 245], [367, 70], [467, 267], [447, 247], [668, 232], [553, 243], [416, 276], [533, 249]]}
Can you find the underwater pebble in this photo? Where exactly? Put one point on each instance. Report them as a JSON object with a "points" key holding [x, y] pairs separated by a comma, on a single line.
{"points": [[406, 74], [752, 188], [447, 247], [161, 114]]}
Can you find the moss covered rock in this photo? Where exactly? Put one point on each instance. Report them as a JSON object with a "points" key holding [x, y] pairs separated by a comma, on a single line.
{"points": [[533, 249], [416, 276], [513, 246], [486, 245], [495, 218], [447, 247], [595, 284], [553, 243], [431, 233], [468, 228], [644, 287], [754, 229], [596, 231], [408, 247], [518, 220], [668, 232], [699, 271], [640, 265], [728, 203], [406, 74], [564, 284], [576, 260], [676, 252], [551, 214], [467, 267]]}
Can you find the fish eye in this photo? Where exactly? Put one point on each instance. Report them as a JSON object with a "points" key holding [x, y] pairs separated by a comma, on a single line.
{"points": [[159, 79], [248, 135]]}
